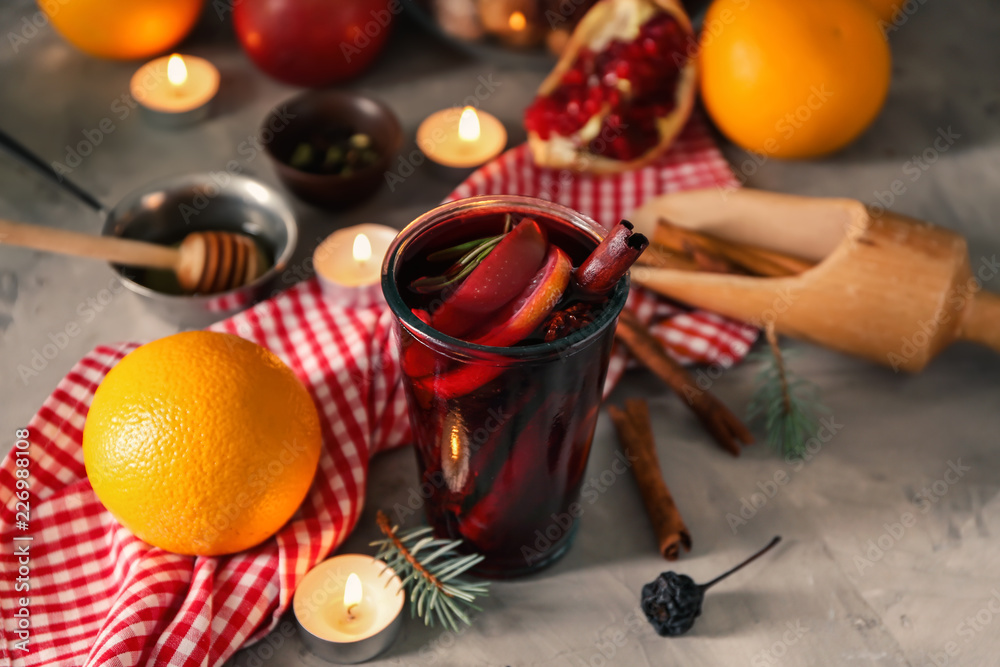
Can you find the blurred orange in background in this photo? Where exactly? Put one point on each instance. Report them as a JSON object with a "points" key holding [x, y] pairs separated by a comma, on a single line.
{"points": [[123, 29], [886, 9], [793, 79]]}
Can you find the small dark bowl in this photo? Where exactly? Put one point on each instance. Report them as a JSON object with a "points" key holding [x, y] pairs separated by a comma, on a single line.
{"points": [[296, 120]]}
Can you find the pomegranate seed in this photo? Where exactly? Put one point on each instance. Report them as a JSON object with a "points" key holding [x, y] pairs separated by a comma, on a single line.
{"points": [[650, 63]]}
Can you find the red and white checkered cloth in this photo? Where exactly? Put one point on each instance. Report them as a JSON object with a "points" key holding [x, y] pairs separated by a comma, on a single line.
{"points": [[96, 595]]}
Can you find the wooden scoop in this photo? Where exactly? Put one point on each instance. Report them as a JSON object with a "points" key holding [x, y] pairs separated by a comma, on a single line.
{"points": [[205, 262], [884, 287]]}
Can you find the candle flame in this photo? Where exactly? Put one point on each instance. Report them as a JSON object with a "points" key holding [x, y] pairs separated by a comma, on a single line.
{"points": [[468, 125], [176, 70], [517, 21], [362, 248], [352, 591], [456, 444]]}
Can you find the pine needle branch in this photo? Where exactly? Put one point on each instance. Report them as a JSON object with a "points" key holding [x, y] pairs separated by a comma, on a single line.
{"points": [[430, 570], [786, 405]]}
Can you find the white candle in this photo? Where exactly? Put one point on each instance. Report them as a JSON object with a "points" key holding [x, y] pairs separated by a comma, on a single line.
{"points": [[348, 608], [461, 137], [348, 264], [175, 89]]}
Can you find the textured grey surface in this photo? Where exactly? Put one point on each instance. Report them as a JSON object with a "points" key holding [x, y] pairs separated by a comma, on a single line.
{"points": [[846, 587]]}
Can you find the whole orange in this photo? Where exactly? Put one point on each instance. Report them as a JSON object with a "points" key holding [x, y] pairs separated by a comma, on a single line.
{"points": [[123, 30], [793, 79], [201, 443], [886, 9]]}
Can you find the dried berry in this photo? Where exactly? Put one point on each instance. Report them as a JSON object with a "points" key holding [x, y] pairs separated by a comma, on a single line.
{"points": [[673, 601]]}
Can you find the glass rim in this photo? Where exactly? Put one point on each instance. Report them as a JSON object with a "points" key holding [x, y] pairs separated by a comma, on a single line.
{"points": [[576, 340]]}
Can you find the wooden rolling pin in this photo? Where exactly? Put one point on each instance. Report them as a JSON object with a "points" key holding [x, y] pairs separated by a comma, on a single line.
{"points": [[886, 288]]}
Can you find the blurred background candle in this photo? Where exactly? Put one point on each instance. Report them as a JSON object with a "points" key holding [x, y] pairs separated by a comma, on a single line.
{"points": [[348, 264], [516, 23], [461, 138], [175, 90], [348, 608]]}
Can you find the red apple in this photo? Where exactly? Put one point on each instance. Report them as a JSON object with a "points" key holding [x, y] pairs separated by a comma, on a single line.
{"points": [[313, 42]]}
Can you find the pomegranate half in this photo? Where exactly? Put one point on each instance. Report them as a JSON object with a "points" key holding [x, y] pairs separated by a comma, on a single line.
{"points": [[621, 92]]}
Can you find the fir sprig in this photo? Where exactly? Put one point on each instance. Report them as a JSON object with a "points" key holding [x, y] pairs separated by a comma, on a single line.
{"points": [[786, 405], [430, 570]]}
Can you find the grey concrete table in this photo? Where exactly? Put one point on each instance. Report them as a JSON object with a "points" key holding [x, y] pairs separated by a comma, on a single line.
{"points": [[850, 585]]}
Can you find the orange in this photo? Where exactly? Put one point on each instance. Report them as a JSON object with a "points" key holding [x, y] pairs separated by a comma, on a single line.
{"points": [[793, 79], [886, 9], [201, 443], [123, 30]]}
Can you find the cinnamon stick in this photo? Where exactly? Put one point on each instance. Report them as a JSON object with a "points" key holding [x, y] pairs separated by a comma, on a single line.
{"points": [[709, 261], [756, 260], [721, 423], [635, 433], [611, 259], [662, 258]]}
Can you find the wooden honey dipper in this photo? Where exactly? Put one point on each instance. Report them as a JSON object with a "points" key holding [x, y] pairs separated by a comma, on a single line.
{"points": [[205, 262]]}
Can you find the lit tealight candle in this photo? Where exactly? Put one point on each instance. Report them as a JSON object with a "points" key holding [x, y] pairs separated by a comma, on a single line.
{"points": [[348, 264], [348, 608], [461, 138], [175, 90], [519, 33]]}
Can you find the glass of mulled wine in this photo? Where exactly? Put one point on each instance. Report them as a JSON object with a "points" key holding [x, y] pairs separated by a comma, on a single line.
{"points": [[504, 355]]}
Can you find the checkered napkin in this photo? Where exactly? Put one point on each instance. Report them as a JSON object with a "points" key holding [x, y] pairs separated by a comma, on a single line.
{"points": [[77, 588]]}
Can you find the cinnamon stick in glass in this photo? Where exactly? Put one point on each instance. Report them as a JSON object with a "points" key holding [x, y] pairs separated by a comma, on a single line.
{"points": [[611, 259], [635, 433]]}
